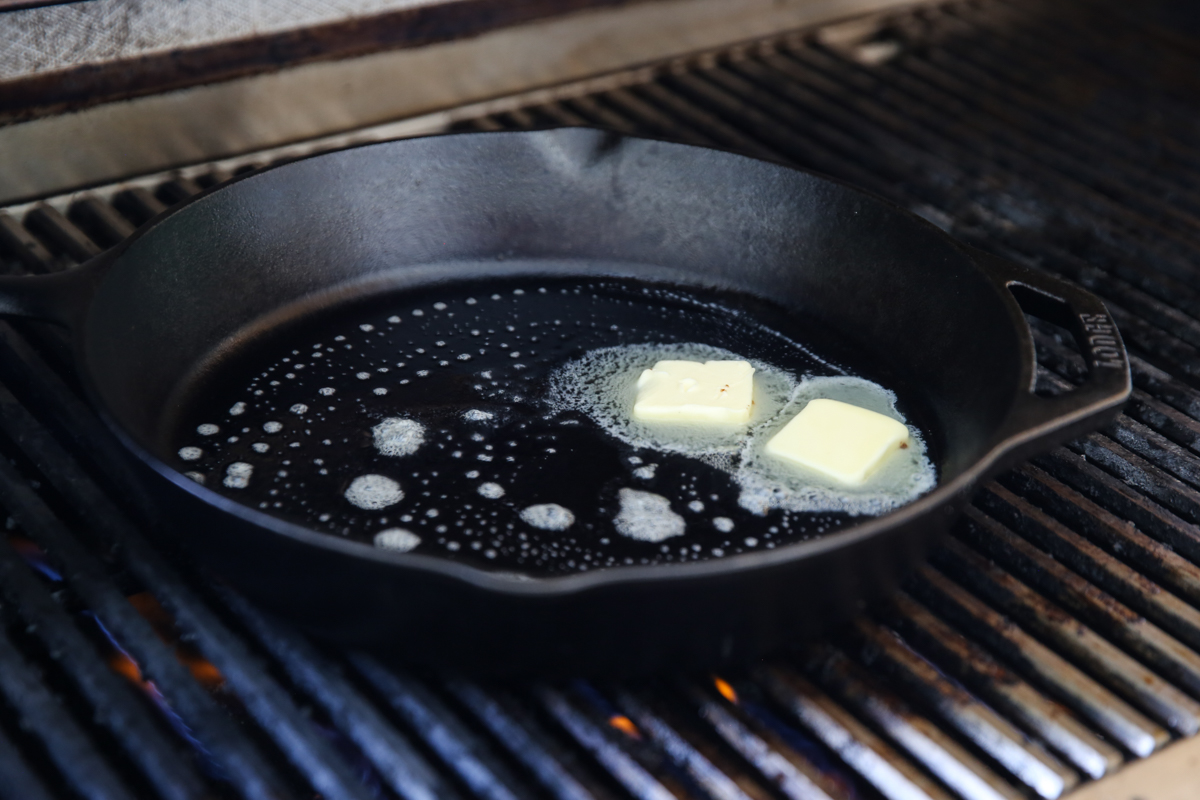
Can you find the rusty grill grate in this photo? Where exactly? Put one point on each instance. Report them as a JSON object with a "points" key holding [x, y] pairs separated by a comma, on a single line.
{"points": [[1055, 636]]}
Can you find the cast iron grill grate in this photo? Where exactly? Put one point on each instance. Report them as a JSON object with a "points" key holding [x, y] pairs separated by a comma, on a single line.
{"points": [[1054, 637]]}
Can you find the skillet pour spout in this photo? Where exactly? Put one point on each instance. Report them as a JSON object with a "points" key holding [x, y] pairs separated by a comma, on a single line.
{"points": [[209, 278]]}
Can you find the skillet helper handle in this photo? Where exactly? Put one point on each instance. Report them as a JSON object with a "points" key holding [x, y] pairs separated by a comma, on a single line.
{"points": [[1033, 419], [57, 297]]}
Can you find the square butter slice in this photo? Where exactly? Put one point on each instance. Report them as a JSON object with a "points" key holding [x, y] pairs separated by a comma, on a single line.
{"points": [[838, 440], [714, 392]]}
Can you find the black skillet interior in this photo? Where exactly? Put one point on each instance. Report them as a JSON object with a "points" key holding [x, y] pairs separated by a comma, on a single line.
{"points": [[234, 264], [476, 372]]}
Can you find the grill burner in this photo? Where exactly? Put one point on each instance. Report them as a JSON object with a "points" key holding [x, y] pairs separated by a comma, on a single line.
{"points": [[1053, 637]]}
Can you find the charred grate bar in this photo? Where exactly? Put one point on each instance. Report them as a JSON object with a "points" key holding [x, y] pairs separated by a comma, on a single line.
{"points": [[1053, 638]]}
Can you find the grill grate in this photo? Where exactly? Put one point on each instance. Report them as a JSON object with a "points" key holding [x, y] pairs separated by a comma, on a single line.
{"points": [[1053, 637]]}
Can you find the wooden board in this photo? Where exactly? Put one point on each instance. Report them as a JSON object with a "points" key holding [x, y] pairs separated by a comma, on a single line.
{"points": [[117, 140], [94, 83], [1172, 774], [17, 5]]}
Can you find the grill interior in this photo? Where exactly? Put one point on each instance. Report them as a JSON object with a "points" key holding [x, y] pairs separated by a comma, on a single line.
{"points": [[1054, 637]]}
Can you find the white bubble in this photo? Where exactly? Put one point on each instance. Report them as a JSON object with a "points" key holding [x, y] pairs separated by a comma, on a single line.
{"points": [[237, 408], [379, 390], [647, 517], [751, 541], [366, 327], [473, 474], [207, 429], [237, 475], [328, 390], [397, 540], [394, 319], [363, 376], [272, 427], [198, 477], [696, 506], [723, 524], [397, 436], [373, 492], [548, 517], [492, 491], [190, 453], [476, 415], [299, 408], [464, 356], [260, 447], [440, 306], [418, 312], [646, 472]]}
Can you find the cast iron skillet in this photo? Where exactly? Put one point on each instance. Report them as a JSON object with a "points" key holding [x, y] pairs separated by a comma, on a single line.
{"points": [[233, 262]]}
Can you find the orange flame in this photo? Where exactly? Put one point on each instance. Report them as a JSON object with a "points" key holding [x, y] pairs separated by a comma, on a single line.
{"points": [[204, 671], [164, 625], [625, 725], [126, 667], [725, 689]]}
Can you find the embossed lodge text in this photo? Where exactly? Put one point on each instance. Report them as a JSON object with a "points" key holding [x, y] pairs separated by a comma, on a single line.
{"points": [[1102, 340]]}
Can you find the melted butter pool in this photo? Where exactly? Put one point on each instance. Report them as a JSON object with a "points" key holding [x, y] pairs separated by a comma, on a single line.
{"points": [[603, 385], [490, 424]]}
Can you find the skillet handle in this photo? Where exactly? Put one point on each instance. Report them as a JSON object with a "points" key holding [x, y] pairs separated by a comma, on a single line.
{"points": [[1033, 421], [58, 297]]}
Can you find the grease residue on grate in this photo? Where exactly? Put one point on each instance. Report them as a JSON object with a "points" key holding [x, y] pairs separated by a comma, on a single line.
{"points": [[481, 423]]}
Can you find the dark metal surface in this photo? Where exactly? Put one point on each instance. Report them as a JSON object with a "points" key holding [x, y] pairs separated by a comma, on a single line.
{"points": [[1059, 616]]}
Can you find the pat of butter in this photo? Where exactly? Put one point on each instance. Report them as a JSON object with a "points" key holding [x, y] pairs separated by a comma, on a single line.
{"points": [[689, 391], [838, 440]]}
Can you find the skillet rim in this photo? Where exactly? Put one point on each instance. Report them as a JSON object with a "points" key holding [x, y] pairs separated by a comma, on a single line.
{"points": [[945, 496]]}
